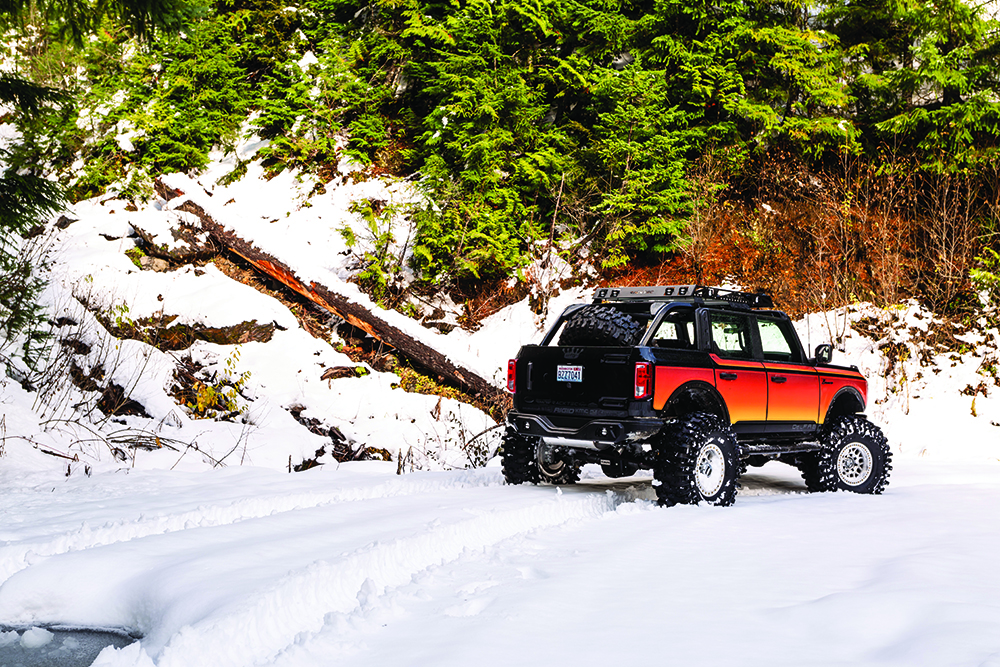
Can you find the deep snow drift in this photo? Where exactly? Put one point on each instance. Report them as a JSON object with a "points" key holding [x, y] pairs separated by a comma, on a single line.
{"points": [[363, 567]]}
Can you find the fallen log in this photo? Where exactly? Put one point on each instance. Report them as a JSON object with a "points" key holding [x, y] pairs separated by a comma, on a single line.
{"points": [[358, 314]]}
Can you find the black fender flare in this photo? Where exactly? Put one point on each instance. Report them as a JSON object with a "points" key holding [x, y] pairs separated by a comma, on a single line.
{"points": [[846, 395], [696, 396]]}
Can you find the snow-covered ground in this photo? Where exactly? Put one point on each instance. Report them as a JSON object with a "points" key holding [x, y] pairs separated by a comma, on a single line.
{"points": [[359, 566], [353, 564], [86, 251], [199, 541]]}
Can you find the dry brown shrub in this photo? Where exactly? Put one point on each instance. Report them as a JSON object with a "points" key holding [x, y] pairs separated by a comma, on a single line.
{"points": [[862, 229]]}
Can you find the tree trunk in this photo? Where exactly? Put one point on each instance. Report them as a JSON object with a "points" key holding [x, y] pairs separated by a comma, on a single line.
{"points": [[357, 314]]}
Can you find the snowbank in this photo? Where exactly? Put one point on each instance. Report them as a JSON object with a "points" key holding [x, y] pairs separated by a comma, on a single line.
{"points": [[280, 385], [933, 387]]}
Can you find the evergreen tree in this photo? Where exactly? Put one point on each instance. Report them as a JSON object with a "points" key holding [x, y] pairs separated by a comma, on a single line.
{"points": [[25, 196], [925, 73]]}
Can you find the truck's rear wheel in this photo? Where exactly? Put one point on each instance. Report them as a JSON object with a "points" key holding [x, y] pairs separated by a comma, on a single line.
{"points": [[556, 465], [518, 457], [855, 457], [697, 460]]}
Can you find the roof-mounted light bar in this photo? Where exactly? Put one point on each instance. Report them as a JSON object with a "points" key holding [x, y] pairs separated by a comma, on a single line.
{"points": [[681, 292]]}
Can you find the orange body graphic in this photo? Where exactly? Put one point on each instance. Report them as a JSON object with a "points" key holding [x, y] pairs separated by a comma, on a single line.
{"points": [[764, 391], [668, 380], [743, 385], [792, 392]]}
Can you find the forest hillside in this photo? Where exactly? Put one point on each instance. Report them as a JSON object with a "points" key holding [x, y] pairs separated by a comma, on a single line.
{"points": [[824, 151], [435, 163]]}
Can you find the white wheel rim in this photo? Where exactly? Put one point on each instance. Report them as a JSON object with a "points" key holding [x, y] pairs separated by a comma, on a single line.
{"points": [[854, 464], [709, 470]]}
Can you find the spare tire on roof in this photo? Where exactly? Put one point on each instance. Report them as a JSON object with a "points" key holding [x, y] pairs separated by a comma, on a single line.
{"points": [[600, 325]]}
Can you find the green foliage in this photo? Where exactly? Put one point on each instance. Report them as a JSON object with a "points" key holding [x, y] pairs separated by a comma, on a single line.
{"points": [[526, 119], [25, 95], [642, 148], [220, 396], [518, 102], [924, 73], [986, 275], [76, 19], [381, 266], [25, 199], [311, 111], [491, 157], [151, 108], [22, 320]]}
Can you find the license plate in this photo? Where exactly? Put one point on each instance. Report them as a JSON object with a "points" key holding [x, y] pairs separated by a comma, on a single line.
{"points": [[569, 373]]}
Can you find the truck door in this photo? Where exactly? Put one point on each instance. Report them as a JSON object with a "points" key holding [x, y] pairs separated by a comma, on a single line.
{"points": [[792, 384], [739, 376]]}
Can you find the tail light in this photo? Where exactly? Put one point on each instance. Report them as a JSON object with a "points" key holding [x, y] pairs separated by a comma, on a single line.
{"points": [[512, 375], [643, 379]]}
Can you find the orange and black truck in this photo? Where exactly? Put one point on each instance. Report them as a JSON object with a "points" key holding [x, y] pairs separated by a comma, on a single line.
{"points": [[694, 383]]}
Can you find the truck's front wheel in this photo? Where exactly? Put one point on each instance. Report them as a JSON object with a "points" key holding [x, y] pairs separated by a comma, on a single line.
{"points": [[697, 460], [855, 457]]}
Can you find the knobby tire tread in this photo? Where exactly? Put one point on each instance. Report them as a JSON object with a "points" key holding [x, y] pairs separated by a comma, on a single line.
{"points": [[517, 455], [600, 325], [819, 471], [568, 474], [676, 453]]}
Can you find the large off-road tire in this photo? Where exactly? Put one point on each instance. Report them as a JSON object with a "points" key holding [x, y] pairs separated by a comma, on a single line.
{"points": [[817, 472], [697, 460], [600, 325], [556, 465], [517, 455], [854, 457]]}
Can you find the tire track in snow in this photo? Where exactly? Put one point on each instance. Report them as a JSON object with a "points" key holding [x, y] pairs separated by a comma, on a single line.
{"points": [[18, 556], [271, 620]]}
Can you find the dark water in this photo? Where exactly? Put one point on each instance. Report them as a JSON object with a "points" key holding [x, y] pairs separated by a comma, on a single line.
{"points": [[23, 647]]}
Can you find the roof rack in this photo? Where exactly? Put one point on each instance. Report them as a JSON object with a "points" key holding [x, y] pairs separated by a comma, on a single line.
{"points": [[682, 292]]}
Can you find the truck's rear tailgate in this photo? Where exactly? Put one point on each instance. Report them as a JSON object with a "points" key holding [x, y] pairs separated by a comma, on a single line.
{"points": [[581, 381]]}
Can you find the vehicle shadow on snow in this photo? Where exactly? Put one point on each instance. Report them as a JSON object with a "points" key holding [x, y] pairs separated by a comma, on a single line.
{"points": [[772, 479], [763, 484]]}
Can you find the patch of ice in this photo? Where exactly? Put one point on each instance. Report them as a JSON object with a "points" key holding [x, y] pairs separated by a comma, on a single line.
{"points": [[36, 638]]}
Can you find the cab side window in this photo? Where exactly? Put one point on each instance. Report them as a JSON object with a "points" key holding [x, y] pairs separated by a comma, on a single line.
{"points": [[731, 335], [777, 342], [676, 331]]}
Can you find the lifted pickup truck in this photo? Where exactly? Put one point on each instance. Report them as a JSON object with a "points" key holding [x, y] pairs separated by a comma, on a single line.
{"points": [[694, 383]]}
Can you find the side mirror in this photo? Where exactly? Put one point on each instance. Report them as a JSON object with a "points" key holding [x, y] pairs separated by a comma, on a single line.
{"points": [[824, 353]]}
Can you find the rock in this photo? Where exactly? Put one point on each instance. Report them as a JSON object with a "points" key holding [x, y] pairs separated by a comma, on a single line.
{"points": [[114, 401], [244, 332], [76, 345], [154, 264], [337, 372]]}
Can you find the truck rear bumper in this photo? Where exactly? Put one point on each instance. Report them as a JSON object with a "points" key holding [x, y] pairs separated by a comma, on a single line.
{"points": [[595, 434]]}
